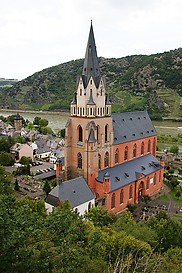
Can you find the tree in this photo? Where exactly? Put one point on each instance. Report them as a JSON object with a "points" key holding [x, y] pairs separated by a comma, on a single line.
{"points": [[20, 139], [6, 159], [174, 181], [25, 160], [46, 187], [36, 120], [4, 144], [100, 216], [16, 187], [174, 149], [46, 130], [43, 122], [178, 193]]}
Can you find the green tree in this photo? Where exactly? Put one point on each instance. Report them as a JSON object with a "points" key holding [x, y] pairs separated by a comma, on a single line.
{"points": [[36, 120], [16, 187], [100, 216], [169, 231], [46, 130], [20, 139], [43, 122], [25, 160], [46, 187], [174, 149], [4, 144], [23, 170], [174, 181], [178, 193], [6, 159]]}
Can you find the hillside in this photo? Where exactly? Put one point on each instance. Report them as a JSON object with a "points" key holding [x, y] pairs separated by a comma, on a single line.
{"points": [[134, 82]]}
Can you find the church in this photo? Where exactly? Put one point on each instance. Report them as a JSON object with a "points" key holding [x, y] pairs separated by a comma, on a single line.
{"points": [[113, 152]]}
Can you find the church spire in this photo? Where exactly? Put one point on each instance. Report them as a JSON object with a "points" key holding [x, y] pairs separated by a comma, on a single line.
{"points": [[91, 64]]}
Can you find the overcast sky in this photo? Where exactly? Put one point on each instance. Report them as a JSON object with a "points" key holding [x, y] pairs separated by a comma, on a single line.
{"points": [[36, 34]]}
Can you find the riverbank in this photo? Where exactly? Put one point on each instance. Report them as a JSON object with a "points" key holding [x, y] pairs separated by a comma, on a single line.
{"points": [[35, 111]]}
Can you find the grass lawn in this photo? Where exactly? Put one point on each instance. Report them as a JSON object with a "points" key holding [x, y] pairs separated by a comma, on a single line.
{"points": [[164, 198], [177, 216], [178, 200]]}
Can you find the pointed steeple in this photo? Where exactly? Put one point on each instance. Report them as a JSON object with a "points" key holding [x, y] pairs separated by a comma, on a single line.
{"points": [[91, 64]]}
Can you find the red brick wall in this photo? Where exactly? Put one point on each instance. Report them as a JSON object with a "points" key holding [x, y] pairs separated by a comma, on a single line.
{"points": [[153, 189]]}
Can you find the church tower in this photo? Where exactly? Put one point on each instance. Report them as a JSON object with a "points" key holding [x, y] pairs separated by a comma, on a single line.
{"points": [[89, 131]]}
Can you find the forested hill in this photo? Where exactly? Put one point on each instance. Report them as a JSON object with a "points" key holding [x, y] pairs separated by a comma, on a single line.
{"points": [[134, 82]]}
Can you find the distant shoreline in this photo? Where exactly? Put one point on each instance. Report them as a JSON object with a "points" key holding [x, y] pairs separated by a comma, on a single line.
{"points": [[34, 111]]}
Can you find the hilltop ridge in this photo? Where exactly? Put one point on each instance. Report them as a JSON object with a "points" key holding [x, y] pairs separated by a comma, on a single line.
{"points": [[137, 82]]}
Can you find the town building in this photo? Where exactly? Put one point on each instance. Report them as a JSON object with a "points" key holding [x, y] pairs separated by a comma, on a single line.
{"points": [[114, 153], [18, 124]]}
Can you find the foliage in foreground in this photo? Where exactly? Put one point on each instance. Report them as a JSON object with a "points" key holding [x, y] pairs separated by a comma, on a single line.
{"points": [[63, 241]]}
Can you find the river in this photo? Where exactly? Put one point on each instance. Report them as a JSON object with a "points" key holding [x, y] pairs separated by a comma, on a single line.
{"points": [[57, 121]]}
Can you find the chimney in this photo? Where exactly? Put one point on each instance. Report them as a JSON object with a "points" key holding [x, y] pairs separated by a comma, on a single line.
{"points": [[106, 182], [58, 167]]}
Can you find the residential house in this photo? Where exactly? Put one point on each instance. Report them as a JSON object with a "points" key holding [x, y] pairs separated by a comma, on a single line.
{"points": [[18, 150]]}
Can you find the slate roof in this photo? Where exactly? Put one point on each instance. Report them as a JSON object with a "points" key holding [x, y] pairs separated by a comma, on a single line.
{"points": [[131, 126], [91, 65], [128, 172], [75, 190]]}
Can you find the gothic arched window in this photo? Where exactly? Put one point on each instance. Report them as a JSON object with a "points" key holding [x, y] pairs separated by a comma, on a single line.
{"points": [[117, 156], [98, 134], [99, 161], [142, 148], [113, 201], [131, 191], [121, 196], [154, 147], [147, 183], [79, 160], [107, 133], [134, 150], [106, 160], [80, 134], [126, 153], [149, 146]]}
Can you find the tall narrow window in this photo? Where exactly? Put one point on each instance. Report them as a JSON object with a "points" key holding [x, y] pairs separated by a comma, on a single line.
{"points": [[154, 147], [113, 201], [134, 150], [121, 196], [79, 160], [130, 192], [142, 148], [126, 153], [106, 132], [89, 206], [147, 183], [106, 160], [160, 176], [99, 161], [80, 92], [80, 134], [149, 146], [155, 179], [98, 134], [117, 156]]}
